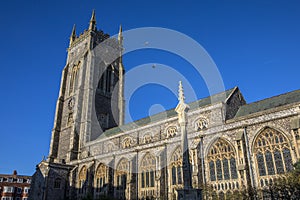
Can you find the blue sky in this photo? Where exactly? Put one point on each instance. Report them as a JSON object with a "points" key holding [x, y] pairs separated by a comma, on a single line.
{"points": [[255, 45]]}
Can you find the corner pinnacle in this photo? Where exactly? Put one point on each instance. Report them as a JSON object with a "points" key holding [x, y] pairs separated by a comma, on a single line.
{"points": [[92, 25]]}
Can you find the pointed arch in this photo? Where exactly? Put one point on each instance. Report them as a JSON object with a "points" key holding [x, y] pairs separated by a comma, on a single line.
{"points": [[121, 177], [272, 154], [73, 78], [106, 81], [82, 179], [101, 178], [176, 167], [260, 130], [222, 166], [147, 176]]}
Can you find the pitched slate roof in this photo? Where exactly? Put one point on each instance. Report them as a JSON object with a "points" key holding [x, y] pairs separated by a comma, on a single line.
{"points": [[169, 113], [272, 102]]}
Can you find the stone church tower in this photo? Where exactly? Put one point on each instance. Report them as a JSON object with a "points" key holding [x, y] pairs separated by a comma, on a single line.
{"points": [[90, 99], [221, 144], [91, 93]]}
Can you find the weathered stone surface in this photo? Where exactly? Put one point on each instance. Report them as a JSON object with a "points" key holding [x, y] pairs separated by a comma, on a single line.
{"points": [[79, 142]]}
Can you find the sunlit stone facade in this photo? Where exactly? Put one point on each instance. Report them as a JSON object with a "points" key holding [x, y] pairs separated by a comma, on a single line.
{"points": [[232, 144]]}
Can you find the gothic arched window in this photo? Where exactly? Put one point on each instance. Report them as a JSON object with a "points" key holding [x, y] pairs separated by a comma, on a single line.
{"points": [[176, 167], [106, 81], [147, 176], [272, 153], [222, 165], [74, 73], [82, 179], [101, 177], [121, 177]]}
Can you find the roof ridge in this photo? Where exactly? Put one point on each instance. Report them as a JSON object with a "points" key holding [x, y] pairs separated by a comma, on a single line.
{"points": [[268, 98], [137, 122], [269, 103]]}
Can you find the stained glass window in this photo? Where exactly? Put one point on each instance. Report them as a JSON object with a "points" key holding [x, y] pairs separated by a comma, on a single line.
{"points": [[219, 170], [174, 175], [121, 173], [233, 168], [147, 169], [147, 179], [278, 162], [269, 162], [82, 179], [226, 169], [221, 160], [176, 163], [212, 171], [152, 178], [261, 164], [143, 180], [179, 174], [101, 173], [274, 154], [287, 159]]}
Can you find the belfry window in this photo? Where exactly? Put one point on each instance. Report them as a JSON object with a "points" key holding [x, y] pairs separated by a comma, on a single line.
{"points": [[272, 152], [106, 81], [73, 79]]}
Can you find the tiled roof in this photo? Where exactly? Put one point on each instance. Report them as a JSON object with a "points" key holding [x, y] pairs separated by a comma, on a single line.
{"points": [[272, 102], [169, 113]]}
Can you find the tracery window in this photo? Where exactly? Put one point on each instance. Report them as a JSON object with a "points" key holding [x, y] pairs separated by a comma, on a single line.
{"points": [[201, 124], [121, 178], [176, 167], [171, 131], [273, 154], [101, 177], [106, 81], [82, 179], [222, 163], [147, 173], [74, 73]]}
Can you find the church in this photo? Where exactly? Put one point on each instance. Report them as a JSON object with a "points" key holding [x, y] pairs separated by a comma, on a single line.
{"points": [[220, 141]]}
